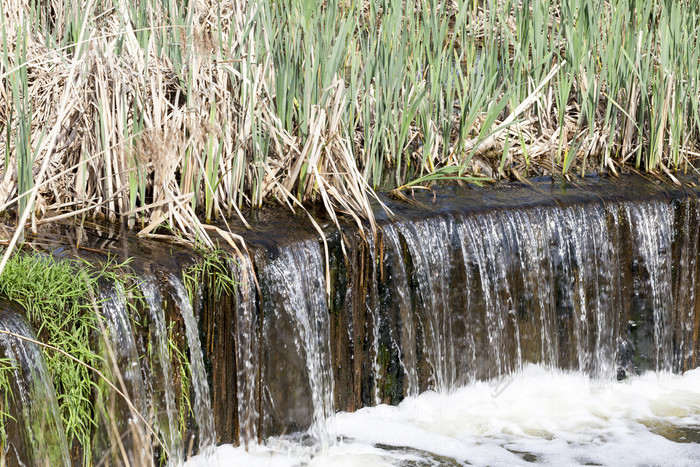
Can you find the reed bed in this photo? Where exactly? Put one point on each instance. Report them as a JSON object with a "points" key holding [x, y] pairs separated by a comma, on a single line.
{"points": [[171, 114]]}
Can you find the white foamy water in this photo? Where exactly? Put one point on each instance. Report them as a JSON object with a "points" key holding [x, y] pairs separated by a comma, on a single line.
{"points": [[536, 415]]}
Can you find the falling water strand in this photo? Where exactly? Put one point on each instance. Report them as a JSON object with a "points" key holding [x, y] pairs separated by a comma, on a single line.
{"points": [[429, 243], [125, 371], [163, 391], [373, 309], [606, 304], [589, 246], [297, 274], [401, 292], [652, 224], [202, 400], [123, 343], [579, 255], [246, 344], [518, 242], [535, 272], [506, 252], [35, 396], [487, 248]]}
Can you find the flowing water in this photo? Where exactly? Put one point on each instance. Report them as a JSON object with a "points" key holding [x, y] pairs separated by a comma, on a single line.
{"points": [[161, 387], [122, 366], [535, 415], [402, 296], [520, 322], [652, 225], [246, 330], [498, 289], [201, 405], [298, 308], [40, 436], [545, 333]]}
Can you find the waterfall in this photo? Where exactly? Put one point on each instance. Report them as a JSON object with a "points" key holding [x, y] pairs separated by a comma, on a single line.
{"points": [[429, 245], [40, 436], [202, 400], [297, 305], [162, 391], [246, 330], [471, 301], [652, 229], [442, 298], [371, 302], [399, 291], [122, 366], [542, 285]]}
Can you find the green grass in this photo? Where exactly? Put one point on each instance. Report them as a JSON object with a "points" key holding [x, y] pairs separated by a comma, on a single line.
{"points": [[61, 299], [212, 274], [184, 403], [53, 295], [6, 368], [56, 296]]}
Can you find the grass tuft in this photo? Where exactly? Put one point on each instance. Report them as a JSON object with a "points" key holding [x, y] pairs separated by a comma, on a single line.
{"points": [[56, 296]]}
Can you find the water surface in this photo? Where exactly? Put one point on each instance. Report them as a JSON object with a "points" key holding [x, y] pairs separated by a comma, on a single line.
{"points": [[536, 415]]}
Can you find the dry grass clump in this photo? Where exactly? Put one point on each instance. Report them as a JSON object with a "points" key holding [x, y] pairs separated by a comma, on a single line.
{"points": [[173, 113]]}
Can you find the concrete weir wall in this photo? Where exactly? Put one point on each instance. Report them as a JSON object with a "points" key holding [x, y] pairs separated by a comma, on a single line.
{"points": [[459, 284]]}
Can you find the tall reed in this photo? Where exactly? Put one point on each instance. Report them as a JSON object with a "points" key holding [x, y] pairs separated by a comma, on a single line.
{"points": [[171, 112]]}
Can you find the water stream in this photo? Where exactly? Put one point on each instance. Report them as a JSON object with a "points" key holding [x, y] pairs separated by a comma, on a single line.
{"points": [[652, 226], [40, 437], [202, 401], [162, 391], [519, 322], [297, 307], [122, 366], [246, 333], [548, 332], [402, 296]]}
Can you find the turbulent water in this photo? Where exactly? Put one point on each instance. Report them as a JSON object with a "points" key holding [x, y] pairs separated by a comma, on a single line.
{"points": [[535, 415]]}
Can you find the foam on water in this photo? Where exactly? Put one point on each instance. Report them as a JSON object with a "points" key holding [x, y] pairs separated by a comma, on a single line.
{"points": [[535, 415]]}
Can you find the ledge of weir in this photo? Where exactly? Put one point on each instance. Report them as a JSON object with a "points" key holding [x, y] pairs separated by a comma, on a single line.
{"points": [[272, 225]]}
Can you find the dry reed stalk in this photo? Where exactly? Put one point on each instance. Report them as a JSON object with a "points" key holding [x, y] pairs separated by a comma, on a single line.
{"points": [[181, 99]]}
